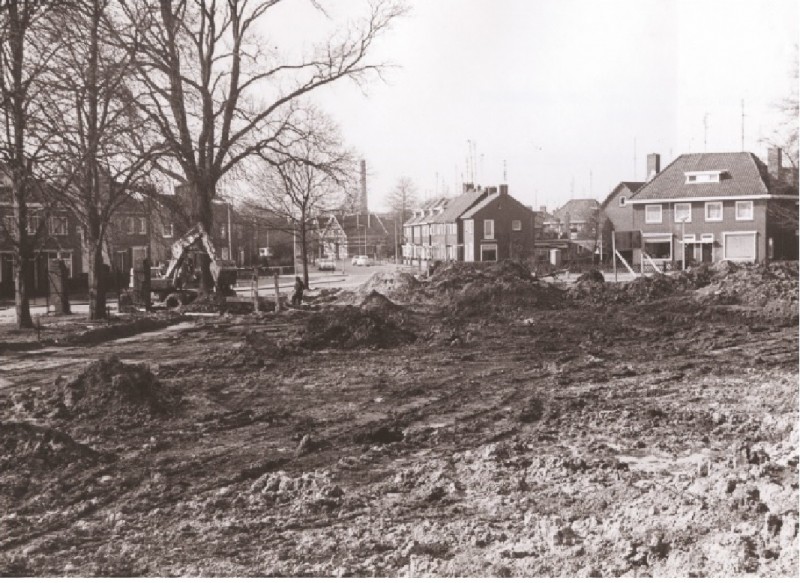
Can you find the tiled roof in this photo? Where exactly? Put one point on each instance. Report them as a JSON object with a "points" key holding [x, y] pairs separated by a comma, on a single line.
{"points": [[631, 186], [457, 206], [354, 224], [471, 212], [744, 175], [427, 219], [578, 209]]}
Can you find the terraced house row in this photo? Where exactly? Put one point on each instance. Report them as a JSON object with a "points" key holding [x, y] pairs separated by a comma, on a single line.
{"points": [[478, 225]]}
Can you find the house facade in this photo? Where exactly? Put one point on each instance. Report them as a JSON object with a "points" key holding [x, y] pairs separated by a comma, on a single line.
{"points": [[346, 235], [498, 227], [717, 206]]}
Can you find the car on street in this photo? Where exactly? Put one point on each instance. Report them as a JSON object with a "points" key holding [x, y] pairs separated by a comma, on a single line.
{"points": [[362, 260], [327, 264]]}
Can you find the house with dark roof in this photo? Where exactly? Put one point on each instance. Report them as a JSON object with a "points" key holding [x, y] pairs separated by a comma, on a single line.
{"points": [[498, 227], [417, 230], [718, 206], [446, 229]]}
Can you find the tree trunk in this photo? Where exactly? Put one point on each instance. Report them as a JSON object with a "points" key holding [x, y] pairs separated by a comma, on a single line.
{"points": [[97, 288], [22, 267], [204, 214], [303, 244]]}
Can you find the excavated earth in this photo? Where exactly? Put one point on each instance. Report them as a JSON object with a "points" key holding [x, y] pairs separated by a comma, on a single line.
{"points": [[476, 423]]}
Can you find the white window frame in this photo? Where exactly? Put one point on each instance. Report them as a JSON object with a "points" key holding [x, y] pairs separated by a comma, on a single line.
{"points": [[725, 235], [721, 211], [34, 221], [649, 207], [59, 221], [488, 233], [684, 206], [131, 225], [488, 246], [142, 226], [742, 204], [516, 225], [168, 230]]}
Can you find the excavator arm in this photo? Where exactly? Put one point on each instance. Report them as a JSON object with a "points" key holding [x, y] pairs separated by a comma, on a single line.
{"points": [[220, 268]]}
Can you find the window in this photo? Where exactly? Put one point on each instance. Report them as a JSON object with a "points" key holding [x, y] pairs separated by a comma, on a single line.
{"points": [[489, 252], [704, 176], [488, 229], [713, 212], [9, 224], [167, 230], [658, 249], [683, 212], [744, 210], [58, 225], [652, 214], [739, 246], [142, 226], [516, 225], [425, 230], [33, 224], [223, 230], [622, 200], [131, 225]]}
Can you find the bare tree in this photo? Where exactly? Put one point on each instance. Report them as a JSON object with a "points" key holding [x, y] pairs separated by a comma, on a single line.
{"points": [[98, 156], [24, 57], [786, 135], [296, 185], [218, 95], [402, 199]]}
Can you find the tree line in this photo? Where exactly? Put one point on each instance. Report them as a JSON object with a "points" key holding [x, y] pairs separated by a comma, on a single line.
{"points": [[103, 100]]}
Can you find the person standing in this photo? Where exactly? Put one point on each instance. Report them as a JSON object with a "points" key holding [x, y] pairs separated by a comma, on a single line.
{"points": [[297, 297]]}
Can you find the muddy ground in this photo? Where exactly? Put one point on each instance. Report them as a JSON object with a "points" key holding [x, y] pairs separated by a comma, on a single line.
{"points": [[485, 424]]}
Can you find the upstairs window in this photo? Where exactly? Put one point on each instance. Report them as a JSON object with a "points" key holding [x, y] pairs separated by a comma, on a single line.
{"points": [[713, 212], [58, 225], [33, 224], [622, 200], [652, 214], [516, 225], [142, 226], [168, 230], [130, 223], [488, 229], [705, 176], [683, 212], [744, 210]]}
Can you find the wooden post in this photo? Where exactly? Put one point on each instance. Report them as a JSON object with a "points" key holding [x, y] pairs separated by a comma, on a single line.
{"points": [[277, 295], [614, 251], [255, 289]]}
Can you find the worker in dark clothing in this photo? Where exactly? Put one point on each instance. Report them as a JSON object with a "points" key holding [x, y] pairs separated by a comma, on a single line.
{"points": [[297, 297]]}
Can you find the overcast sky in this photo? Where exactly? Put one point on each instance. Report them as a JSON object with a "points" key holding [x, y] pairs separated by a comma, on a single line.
{"points": [[562, 89]]}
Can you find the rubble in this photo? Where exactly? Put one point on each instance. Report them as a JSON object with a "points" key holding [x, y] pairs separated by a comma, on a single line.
{"points": [[350, 327], [24, 447]]}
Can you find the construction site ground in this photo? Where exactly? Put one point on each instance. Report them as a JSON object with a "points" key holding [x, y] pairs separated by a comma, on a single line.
{"points": [[479, 423]]}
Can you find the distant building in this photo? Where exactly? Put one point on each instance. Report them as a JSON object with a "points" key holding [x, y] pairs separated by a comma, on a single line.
{"points": [[718, 206]]}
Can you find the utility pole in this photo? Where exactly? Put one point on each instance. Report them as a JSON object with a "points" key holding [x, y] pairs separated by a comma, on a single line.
{"points": [[705, 132]]}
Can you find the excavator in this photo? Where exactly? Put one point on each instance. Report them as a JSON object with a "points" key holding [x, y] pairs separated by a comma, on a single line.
{"points": [[173, 288]]}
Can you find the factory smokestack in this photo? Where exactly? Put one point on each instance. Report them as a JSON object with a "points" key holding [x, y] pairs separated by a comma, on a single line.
{"points": [[363, 206]]}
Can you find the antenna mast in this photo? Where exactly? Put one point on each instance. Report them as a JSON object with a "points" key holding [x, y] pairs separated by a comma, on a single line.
{"points": [[705, 132], [742, 125]]}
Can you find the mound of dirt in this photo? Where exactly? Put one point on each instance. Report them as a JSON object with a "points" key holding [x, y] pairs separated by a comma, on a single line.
{"points": [[755, 285], [109, 388], [593, 276], [351, 327], [24, 446], [398, 285], [378, 302]]}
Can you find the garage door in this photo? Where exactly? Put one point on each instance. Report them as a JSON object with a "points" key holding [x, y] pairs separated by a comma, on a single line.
{"points": [[740, 246]]}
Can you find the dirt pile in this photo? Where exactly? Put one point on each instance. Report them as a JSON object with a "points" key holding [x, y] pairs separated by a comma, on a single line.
{"points": [[111, 389], [351, 327], [397, 285], [478, 287], [25, 447], [377, 302], [755, 285]]}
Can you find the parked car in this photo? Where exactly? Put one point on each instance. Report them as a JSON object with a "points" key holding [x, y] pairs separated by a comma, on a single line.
{"points": [[355, 259], [364, 261], [327, 264]]}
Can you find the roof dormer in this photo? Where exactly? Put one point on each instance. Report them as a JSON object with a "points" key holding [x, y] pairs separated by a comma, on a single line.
{"points": [[704, 176]]}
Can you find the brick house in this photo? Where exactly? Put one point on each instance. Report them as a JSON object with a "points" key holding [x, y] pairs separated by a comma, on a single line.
{"points": [[447, 228], [720, 206], [56, 232], [417, 230], [498, 227]]}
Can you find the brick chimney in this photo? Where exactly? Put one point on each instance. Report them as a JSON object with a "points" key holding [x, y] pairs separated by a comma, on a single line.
{"points": [[468, 187], [504, 189], [363, 206], [774, 163], [653, 165]]}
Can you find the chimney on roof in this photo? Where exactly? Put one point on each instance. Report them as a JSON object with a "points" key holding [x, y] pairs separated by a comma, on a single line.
{"points": [[504, 189], [491, 190], [774, 163], [653, 165], [543, 209], [469, 187]]}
